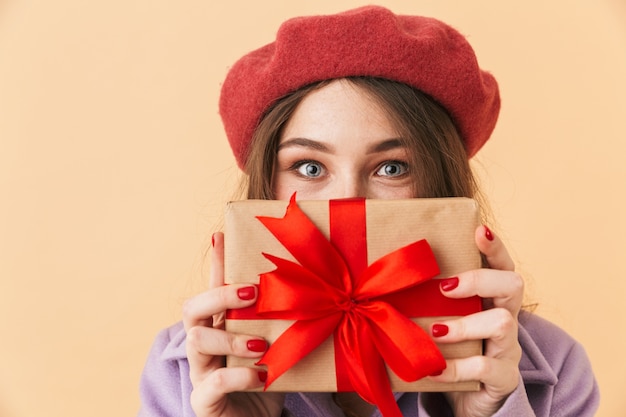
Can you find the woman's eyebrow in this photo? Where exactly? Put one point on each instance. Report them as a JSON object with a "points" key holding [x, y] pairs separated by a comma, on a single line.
{"points": [[382, 146], [385, 145], [306, 143]]}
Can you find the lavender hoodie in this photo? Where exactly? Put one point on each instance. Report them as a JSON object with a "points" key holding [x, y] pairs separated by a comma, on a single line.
{"points": [[556, 380]]}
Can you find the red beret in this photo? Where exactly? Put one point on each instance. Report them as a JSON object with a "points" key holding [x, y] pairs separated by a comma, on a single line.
{"points": [[369, 41]]}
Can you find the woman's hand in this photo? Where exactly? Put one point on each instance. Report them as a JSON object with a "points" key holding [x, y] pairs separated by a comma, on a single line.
{"points": [[498, 368], [215, 388]]}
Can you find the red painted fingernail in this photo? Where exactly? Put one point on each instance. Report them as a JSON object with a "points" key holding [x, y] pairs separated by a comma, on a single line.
{"points": [[449, 284], [437, 373], [257, 345], [246, 293], [488, 234], [213, 239], [439, 330], [262, 376]]}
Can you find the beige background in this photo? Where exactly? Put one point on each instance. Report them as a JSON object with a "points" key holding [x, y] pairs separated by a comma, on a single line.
{"points": [[114, 170]]}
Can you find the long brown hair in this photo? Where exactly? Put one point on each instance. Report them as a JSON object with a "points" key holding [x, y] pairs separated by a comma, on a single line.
{"points": [[439, 164]]}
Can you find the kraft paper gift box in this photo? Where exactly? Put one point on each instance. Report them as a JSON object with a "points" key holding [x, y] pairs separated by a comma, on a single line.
{"points": [[252, 250]]}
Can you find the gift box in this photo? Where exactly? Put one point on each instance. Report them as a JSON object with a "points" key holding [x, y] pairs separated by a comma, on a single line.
{"points": [[359, 274]]}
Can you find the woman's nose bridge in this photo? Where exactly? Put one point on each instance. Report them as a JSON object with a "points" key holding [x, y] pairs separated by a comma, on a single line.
{"points": [[351, 185]]}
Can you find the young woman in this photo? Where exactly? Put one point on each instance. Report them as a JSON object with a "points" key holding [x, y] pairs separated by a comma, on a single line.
{"points": [[367, 104]]}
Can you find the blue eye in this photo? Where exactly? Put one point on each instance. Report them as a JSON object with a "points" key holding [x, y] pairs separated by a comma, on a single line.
{"points": [[392, 169], [310, 169]]}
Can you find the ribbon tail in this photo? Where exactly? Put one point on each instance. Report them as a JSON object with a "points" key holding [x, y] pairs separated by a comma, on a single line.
{"points": [[350, 339], [386, 401], [299, 235], [300, 339], [358, 350], [378, 388]]}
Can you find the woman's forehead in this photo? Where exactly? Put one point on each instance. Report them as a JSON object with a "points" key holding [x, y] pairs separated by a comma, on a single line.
{"points": [[339, 108]]}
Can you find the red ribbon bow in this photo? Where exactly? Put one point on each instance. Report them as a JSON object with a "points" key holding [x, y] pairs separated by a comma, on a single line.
{"points": [[332, 291]]}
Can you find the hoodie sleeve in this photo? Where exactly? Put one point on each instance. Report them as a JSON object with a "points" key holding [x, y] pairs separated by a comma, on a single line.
{"points": [[576, 394], [165, 387]]}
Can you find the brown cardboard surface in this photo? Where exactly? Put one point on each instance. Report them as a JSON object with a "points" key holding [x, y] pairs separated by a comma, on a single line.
{"points": [[447, 223]]}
